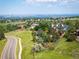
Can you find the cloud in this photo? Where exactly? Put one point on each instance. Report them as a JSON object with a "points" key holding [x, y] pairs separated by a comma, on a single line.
{"points": [[46, 0], [54, 2], [40, 1]]}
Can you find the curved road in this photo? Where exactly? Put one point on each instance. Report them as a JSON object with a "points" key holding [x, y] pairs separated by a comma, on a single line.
{"points": [[9, 51]]}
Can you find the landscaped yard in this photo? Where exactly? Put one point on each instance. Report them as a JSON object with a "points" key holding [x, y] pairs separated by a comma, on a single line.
{"points": [[2, 44], [63, 49]]}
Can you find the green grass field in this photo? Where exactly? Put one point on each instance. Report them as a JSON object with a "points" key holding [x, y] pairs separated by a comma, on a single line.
{"points": [[2, 44], [63, 49]]}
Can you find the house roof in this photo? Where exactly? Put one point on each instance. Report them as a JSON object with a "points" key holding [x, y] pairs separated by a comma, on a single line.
{"points": [[77, 30]]}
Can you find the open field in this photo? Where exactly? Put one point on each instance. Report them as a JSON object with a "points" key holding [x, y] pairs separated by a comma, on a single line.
{"points": [[63, 50], [2, 44]]}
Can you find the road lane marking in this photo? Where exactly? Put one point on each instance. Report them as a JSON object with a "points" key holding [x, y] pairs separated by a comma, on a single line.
{"points": [[16, 48], [20, 51]]}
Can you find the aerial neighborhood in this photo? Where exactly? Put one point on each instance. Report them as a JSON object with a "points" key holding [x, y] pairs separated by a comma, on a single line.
{"points": [[39, 29]]}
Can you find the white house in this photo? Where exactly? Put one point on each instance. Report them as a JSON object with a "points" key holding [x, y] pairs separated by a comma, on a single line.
{"points": [[34, 25]]}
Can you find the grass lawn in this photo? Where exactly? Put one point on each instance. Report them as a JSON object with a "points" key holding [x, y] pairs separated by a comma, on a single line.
{"points": [[2, 44], [63, 49]]}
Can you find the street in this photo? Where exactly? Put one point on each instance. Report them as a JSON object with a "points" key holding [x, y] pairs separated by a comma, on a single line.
{"points": [[9, 51]]}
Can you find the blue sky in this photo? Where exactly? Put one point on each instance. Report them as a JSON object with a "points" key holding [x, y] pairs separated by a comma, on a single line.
{"points": [[34, 7]]}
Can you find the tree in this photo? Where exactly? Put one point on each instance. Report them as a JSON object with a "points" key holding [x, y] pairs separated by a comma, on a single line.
{"points": [[77, 24], [70, 35], [43, 25], [2, 36], [55, 36], [45, 37]]}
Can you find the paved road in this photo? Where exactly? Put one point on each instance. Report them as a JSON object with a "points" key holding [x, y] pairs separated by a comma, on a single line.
{"points": [[9, 51]]}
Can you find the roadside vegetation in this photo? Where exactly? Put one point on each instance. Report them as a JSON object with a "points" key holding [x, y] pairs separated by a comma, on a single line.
{"points": [[2, 44], [2, 41]]}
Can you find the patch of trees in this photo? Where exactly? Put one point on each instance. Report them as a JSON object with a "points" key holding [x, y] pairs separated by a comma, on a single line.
{"points": [[48, 37], [70, 34], [45, 33], [8, 27]]}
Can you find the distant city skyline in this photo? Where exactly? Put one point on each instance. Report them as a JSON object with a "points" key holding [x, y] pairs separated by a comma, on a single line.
{"points": [[37, 7]]}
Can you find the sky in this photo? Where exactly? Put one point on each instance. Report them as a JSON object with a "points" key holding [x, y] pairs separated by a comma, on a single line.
{"points": [[36, 7]]}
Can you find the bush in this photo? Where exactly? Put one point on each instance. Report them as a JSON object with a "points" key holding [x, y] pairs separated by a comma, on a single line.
{"points": [[37, 47]]}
